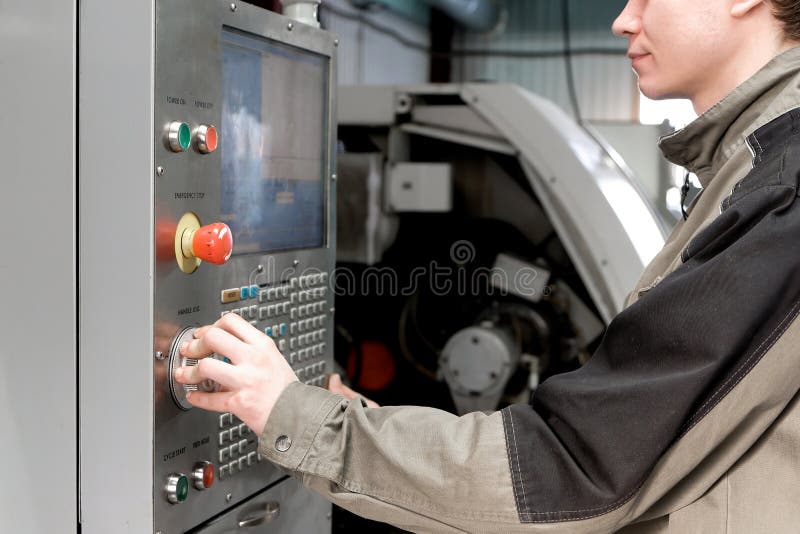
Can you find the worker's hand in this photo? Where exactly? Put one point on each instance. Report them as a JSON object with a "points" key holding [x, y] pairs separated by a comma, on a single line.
{"points": [[251, 383], [335, 385]]}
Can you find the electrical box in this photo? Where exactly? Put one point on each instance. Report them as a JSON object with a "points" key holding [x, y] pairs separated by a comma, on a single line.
{"points": [[420, 187]]}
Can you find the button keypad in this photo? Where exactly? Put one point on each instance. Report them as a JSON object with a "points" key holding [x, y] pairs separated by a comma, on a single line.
{"points": [[307, 331], [293, 313], [237, 444]]}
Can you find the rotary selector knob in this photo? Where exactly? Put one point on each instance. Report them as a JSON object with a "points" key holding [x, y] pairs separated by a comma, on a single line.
{"points": [[176, 361], [177, 389]]}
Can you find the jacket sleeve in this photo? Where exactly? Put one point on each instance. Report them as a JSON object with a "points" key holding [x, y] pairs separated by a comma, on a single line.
{"points": [[422, 469], [575, 459]]}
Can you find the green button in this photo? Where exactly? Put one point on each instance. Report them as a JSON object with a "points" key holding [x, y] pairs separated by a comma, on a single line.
{"points": [[182, 489], [184, 136]]}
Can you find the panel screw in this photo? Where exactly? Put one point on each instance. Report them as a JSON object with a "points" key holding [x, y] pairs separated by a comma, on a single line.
{"points": [[289, 26], [233, 7], [333, 177], [296, 262], [336, 42], [159, 355], [328, 515], [228, 497], [160, 170], [333, 310]]}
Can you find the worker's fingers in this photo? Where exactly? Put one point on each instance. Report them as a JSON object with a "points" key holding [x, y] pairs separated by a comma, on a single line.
{"points": [[208, 368], [233, 323], [215, 340], [199, 332], [218, 402], [335, 385]]}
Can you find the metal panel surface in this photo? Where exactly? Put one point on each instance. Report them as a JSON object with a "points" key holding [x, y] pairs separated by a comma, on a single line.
{"points": [[116, 265], [467, 139], [38, 392], [290, 509], [189, 87]]}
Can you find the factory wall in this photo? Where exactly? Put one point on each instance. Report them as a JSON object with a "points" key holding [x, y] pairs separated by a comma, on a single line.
{"points": [[380, 45], [605, 86], [368, 54]]}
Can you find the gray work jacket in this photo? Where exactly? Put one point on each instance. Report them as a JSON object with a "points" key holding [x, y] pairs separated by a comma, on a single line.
{"points": [[684, 420]]}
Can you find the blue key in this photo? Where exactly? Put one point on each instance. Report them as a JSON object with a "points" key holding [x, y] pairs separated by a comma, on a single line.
{"points": [[245, 293], [253, 292], [283, 329], [268, 331]]}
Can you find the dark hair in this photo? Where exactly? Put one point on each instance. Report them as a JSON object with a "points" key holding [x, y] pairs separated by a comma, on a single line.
{"points": [[788, 12]]}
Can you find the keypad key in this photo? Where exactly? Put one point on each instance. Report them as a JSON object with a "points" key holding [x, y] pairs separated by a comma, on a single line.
{"points": [[224, 420]]}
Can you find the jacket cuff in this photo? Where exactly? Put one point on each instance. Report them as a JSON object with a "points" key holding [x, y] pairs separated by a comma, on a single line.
{"points": [[294, 422]]}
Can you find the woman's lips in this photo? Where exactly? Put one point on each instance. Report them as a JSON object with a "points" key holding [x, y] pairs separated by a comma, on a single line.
{"points": [[637, 59]]}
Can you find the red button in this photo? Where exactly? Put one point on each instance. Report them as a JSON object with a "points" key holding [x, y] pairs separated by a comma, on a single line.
{"points": [[208, 475], [203, 475], [207, 138], [213, 243]]}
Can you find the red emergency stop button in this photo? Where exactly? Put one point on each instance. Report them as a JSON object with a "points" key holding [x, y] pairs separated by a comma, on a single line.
{"points": [[213, 243], [194, 243], [203, 475], [207, 138]]}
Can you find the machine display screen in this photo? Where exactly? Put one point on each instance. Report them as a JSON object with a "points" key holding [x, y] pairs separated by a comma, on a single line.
{"points": [[274, 143]]}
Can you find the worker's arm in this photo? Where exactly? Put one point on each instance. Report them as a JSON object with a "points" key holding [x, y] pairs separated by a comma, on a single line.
{"points": [[420, 468], [701, 358]]}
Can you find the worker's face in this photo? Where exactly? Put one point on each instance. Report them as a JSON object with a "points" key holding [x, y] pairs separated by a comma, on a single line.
{"points": [[676, 46]]}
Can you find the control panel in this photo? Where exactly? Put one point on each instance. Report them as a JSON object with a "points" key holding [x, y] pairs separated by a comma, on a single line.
{"points": [[244, 203]]}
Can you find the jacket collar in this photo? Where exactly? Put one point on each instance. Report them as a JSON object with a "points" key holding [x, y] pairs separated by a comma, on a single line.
{"points": [[706, 144]]}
